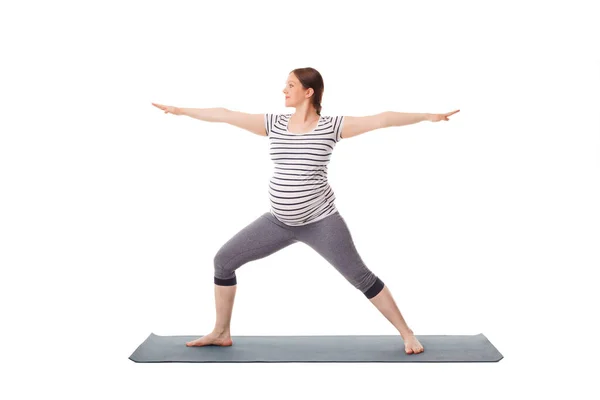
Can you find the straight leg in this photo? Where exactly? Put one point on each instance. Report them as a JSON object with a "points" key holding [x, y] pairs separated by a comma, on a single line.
{"points": [[331, 238], [387, 306]]}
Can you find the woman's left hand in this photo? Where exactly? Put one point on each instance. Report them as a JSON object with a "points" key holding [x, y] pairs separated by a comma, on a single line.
{"points": [[440, 117]]}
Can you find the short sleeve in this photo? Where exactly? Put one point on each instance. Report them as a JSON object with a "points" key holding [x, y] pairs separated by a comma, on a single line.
{"points": [[270, 120], [338, 124]]}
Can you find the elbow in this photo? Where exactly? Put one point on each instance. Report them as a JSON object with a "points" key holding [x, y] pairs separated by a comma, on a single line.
{"points": [[222, 114], [384, 119]]}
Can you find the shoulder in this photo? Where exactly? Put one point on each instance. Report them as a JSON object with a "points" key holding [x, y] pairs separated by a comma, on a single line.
{"points": [[335, 124], [332, 117], [335, 120], [275, 121], [277, 116]]}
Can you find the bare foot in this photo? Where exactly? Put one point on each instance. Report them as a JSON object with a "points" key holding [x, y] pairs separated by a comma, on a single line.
{"points": [[213, 338], [412, 345]]}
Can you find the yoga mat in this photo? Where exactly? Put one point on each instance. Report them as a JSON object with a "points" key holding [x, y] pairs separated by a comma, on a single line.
{"points": [[345, 348]]}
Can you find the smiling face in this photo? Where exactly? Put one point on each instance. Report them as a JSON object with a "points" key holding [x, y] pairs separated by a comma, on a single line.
{"points": [[294, 93]]}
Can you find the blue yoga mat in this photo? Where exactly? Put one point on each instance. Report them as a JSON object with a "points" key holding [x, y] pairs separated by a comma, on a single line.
{"points": [[348, 348]]}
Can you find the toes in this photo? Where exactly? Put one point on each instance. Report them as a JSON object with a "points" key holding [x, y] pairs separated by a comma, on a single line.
{"points": [[194, 342], [414, 350]]}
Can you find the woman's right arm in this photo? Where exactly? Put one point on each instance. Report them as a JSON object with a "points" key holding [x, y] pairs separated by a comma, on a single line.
{"points": [[254, 123]]}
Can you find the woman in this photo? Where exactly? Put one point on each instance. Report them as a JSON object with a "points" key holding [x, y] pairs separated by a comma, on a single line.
{"points": [[302, 202]]}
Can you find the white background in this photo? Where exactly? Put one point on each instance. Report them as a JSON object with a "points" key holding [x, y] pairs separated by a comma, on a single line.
{"points": [[112, 211]]}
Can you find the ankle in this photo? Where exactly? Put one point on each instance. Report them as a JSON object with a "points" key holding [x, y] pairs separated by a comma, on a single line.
{"points": [[407, 333], [222, 331]]}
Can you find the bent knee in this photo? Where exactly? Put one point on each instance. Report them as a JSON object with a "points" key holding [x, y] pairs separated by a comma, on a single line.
{"points": [[223, 272]]}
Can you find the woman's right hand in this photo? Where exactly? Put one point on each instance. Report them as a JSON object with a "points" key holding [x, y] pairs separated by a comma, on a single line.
{"points": [[168, 109]]}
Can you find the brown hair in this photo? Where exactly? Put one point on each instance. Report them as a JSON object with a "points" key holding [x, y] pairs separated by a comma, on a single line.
{"points": [[311, 78]]}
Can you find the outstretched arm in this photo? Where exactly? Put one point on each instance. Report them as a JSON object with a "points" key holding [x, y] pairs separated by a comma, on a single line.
{"points": [[250, 122], [354, 126]]}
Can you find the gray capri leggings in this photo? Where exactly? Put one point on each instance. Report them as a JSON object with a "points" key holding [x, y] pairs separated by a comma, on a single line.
{"points": [[329, 237]]}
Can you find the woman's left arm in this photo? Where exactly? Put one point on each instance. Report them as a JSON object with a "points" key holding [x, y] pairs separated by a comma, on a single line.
{"points": [[354, 126]]}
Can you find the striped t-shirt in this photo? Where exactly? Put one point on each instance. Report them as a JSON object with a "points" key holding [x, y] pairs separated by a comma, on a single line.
{"points": [[298, 190]]}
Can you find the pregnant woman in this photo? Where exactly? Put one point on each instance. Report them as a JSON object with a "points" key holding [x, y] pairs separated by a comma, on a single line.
{"points": [[302, 202]]}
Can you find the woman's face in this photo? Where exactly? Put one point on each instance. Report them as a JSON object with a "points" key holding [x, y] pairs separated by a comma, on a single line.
{"points": [[293, 91]]}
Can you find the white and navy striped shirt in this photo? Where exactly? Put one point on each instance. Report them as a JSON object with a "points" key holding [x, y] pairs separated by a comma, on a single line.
{"points": [[298, 190]]}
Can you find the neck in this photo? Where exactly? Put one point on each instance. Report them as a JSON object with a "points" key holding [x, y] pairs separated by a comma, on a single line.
{"points": [[305, 114]]}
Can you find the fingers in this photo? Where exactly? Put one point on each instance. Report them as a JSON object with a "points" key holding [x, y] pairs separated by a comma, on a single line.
{"points": [[166, 109], [445, 116]]}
